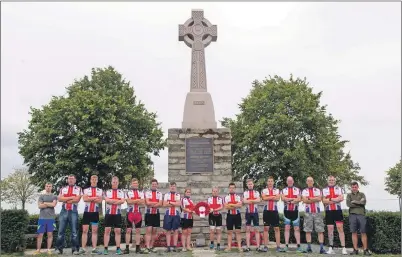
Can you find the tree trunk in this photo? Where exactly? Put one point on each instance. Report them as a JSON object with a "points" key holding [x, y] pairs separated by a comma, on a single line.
{"points": [[23, 205]]}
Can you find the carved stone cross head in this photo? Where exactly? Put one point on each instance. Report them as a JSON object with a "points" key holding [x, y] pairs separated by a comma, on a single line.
{"points": [[197, 32]]}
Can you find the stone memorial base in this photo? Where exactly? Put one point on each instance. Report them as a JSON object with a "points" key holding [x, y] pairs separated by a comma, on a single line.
{"points": [[216, 174]]}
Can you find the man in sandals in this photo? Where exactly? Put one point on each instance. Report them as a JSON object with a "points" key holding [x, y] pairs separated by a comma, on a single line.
{"points": [[46, 222]]}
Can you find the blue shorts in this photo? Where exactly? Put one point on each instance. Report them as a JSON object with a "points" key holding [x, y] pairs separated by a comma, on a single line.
{"points": [[46, 225], [171, 222]]}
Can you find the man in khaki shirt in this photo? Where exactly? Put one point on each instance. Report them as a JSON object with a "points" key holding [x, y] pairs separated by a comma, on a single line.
{"points": [[356, 201]]}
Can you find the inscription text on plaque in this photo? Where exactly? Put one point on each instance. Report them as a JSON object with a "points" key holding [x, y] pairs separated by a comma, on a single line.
{"points": [[199, 155]]}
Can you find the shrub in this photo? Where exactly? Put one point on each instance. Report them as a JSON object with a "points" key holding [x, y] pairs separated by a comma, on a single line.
{"points": [[13, 228], [384, 232]]}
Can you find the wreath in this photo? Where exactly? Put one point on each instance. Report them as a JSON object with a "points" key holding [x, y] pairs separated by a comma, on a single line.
{"points": [[201, 212]]}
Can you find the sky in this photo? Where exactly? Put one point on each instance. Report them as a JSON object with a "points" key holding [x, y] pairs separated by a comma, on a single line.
{"points": [[350, 51]]}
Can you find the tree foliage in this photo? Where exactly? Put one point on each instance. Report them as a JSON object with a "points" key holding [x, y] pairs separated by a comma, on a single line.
{"points": [[393, 180], [97, 127], [282, 130], [18, 188]]}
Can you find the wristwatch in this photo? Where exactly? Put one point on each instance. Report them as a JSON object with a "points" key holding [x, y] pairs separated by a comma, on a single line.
{"points": [[330, 198]]}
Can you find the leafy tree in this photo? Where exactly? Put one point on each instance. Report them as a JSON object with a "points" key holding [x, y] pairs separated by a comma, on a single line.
{"points": [[393, 180], [282, 130], [18, 188], [97, 127]]}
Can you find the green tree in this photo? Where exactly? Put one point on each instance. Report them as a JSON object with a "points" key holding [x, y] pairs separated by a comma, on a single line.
{"points": [[97, 127], [393, 180], [282, 130], [18, 188]]}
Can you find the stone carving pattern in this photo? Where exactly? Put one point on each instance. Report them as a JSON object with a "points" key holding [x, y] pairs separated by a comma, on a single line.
{"points": [[201, 37]]}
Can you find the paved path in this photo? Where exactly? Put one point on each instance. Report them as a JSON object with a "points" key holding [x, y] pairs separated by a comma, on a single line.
{"points": [[205, 252]]}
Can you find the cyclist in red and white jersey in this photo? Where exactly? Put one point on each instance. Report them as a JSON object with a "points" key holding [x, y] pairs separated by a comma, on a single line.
{"points": [[114, 198], [153, 200], [215, 203], [93, 197], [270, 215], [251, 198], [134, 198], [171, 221], [332, 199]]}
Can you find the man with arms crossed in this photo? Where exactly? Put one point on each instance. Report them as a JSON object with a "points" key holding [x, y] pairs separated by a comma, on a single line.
{"points": [[171, 222], [313, 218], [271, 215], [69, 196], [356, 201], [46, 222], [251, 198], [92, 197], [291, 198], [114, 198], [332, 198], [153, 200], [135, 198], [215, 218], [233, 204]]}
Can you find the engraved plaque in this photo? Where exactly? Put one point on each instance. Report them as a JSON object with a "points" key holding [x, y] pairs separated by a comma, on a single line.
{"points": [[199, 102], [199, 155]]}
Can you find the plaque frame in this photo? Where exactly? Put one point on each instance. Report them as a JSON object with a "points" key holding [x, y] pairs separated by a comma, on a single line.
{"points": [[213, 156]]}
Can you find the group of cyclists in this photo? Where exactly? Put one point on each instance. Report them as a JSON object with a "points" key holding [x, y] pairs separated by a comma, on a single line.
{"points": [[179, 212]]}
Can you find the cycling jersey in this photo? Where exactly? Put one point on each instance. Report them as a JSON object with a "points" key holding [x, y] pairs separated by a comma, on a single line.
{"points": [[172, 197], [153, 196], [215, 202], [271, 205], [312, 192], [134, 194], [251, 195], [332, 192], [234, 199], [116, 194], [92, 192], [70, 191], [291, 192], [186, 203]]}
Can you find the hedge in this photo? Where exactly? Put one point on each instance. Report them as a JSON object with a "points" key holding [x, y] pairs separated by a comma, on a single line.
{"points": [[383, 232], [12, 236]]}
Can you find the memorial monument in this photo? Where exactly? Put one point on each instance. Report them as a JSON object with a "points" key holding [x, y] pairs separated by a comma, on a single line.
{"points": [[199, 152]]}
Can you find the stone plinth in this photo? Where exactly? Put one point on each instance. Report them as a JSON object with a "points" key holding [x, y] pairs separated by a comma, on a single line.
{"points": [[201, 184]]}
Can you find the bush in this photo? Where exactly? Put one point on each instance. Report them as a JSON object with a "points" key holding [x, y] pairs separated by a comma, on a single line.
{"points": [[13, 228], [383, 232]]}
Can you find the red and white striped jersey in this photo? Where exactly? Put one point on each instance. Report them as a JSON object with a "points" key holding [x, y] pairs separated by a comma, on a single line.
{"points": [[134, 194], [234, 199], [251, 195], [312, 192], [70, 191], [153, 196], [172, 197], [215, 202], [271, 204], [92, 192], [291, 192], [186, 203], [332, 192], [116, 194]]}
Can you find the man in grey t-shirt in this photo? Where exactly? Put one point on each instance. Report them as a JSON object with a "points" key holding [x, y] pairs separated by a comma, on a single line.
{"points": [[46, 222]]}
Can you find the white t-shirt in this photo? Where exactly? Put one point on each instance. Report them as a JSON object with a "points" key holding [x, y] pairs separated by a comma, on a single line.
{"points": [[134, 194], [114, 194], [172, 197], [153, 196], [93, 192], [248, 195]]}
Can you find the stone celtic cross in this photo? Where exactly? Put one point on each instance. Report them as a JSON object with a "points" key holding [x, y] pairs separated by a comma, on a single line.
{"points": [[197, 32]]}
